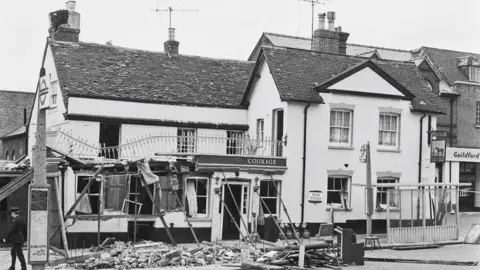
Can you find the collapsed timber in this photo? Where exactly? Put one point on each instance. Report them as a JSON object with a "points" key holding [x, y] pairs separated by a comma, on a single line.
{"points": [[146, 254]]}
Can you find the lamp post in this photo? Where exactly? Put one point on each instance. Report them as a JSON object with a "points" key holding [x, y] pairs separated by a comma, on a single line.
{"points": [[366, 158]]}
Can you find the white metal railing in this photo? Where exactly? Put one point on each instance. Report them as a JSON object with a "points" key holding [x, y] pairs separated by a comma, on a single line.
{"points": [[164, 144]]}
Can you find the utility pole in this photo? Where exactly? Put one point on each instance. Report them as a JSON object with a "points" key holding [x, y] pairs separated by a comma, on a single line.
{"points": [[39, 190], [366, 158], [313, 3], [170, 10]]}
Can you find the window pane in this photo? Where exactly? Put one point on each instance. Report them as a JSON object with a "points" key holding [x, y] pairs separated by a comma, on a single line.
{"points": [[333, 197], [202, 205], [394, 123], [271, 204], [201, 187], [346, 119], [332, 118], [330, 184], [263, 188]]}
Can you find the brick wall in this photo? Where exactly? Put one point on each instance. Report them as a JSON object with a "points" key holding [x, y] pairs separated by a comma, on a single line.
{"points": [[326, 41], [468, 133]]}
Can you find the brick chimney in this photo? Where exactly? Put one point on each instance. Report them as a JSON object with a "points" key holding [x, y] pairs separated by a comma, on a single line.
{"points": [[331, 40], [65, 23], [171, 45]]}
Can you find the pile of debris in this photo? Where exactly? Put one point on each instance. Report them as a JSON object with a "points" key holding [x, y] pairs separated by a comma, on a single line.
{"points": [[121, 255]]}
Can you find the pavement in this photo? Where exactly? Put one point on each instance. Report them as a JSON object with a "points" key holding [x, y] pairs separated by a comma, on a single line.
{"points": [[453, 252]]}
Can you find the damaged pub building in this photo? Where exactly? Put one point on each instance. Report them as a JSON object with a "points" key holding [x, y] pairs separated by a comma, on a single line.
{"points": [[169, 147]]}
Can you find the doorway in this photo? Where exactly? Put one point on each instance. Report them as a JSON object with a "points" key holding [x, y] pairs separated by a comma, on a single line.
{"points": [[230, 231], [278, 131], [467, 197]]}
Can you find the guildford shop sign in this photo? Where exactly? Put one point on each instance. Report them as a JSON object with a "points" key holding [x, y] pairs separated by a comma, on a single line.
{"points": [[462, 154]]}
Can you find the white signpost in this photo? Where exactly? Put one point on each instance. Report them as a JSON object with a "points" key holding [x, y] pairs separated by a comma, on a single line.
{"points": [[39, 229]]}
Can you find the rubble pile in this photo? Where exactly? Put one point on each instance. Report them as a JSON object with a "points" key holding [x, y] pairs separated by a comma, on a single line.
{"points": [[121, 255]]}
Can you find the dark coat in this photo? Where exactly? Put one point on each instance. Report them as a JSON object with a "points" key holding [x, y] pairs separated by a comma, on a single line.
{"points": [[16, 231]]}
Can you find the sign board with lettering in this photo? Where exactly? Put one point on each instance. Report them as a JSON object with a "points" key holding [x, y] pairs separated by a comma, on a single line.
{"points": [[239, 161], [438, 149], [43, 96], [38, 229], [462, 154], [315, 196]]}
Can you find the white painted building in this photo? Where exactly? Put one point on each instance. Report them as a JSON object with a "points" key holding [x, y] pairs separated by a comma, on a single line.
{"points": [[297, 117]]}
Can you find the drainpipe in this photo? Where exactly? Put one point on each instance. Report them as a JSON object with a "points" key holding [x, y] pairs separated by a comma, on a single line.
{"points": [[420, 150], [451, 139], [304, 162]]}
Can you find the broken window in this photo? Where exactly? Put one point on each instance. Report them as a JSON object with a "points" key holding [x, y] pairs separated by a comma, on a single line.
{"points": [[89, 202], [137, 195], [235, 141], [382, 193], [197, 196], [269, 195], [109, 137], [186, 140], [338, 191]]}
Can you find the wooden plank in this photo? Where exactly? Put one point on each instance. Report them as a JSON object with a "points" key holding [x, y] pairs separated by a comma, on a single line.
{"points": [[77, 201], [419, 261], [253, 265], [62, 222], [301, 256], [162, 219]]}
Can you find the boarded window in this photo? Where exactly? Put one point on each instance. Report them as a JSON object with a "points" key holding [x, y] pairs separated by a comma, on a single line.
{"points": [[116, 192]]}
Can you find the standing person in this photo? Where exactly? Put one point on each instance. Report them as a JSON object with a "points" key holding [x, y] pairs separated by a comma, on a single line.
{"points": [[16, 234]]}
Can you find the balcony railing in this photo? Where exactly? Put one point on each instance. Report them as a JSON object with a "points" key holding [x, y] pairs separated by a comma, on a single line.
{"points": [[165, 144]]}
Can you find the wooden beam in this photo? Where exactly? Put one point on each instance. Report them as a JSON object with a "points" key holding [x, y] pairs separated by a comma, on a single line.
{"points": [[62, 221], [77, 201], [165, 225], [94, 217]]}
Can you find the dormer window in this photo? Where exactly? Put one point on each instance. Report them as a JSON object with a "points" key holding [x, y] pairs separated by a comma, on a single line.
{"points": [[474, 74]]}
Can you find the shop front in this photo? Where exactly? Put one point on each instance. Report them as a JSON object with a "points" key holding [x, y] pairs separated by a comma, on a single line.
{"points": [[238, 186], [465, 169]]}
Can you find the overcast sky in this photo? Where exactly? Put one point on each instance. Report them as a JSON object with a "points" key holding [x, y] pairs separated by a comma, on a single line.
{"points": [[229, 28]]}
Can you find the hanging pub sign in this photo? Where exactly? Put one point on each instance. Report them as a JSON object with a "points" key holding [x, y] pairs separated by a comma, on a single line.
{"points": [[315, 196], [43, 96], [38, 230], [438, 151]]}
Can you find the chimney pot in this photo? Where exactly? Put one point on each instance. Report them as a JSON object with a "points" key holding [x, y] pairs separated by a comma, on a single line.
{"points": [[321, 21], [70, 5], [331, 20]]}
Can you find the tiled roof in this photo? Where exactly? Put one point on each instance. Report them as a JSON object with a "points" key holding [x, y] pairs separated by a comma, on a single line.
{"points": [[445, 61], [296, 72], [287, 41], [19, 131], [110, 72], [12, 104]]}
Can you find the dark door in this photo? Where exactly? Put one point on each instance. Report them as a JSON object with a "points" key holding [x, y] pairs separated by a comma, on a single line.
{"points": [[278, 132], [467, 175], [230, 231]]}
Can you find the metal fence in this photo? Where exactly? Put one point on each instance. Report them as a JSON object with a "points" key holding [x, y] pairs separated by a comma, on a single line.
{"points": [[422, 214]]}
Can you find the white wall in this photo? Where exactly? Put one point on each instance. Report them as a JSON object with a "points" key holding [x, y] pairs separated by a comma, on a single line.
{"points": [[365, 128], [54, 116], [138, 110]]}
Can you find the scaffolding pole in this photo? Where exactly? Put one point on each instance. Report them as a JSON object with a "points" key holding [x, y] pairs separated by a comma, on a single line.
{"points": [[270, 213], [294, 232], [238, 208], [186, 218]]}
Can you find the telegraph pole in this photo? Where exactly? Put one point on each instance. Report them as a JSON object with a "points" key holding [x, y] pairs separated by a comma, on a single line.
{"points": [[39, 190], [366, 158], [170, 10]]}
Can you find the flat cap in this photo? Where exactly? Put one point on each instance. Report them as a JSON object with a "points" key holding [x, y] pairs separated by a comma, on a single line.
{"points": [[14, 209]]}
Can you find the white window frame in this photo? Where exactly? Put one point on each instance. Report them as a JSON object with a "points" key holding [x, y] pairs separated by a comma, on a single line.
{"points": [[382, 193], [390, 131], [100, 209], [236, 143], [477, 113], [260, 129], [474, 73], [278, 183], [187, 143], [54, 94], [348, 189], [337, 125], [208, 196]]}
